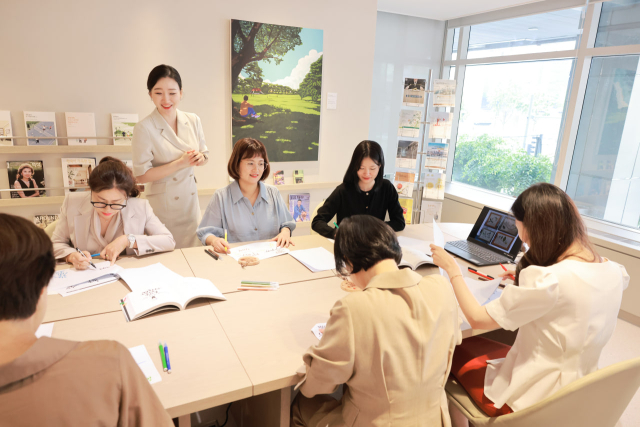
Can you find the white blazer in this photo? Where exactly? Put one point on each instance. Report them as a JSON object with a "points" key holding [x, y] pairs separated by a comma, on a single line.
{"points": [[175, 197], [138, 219]]}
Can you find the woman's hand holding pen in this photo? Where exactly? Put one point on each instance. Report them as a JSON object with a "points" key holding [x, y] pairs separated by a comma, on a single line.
{"points": [[218, 244], [78, 261]]}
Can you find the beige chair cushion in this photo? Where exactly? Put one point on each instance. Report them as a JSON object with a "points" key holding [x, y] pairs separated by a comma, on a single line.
{"points": [[315, 212], [51, 228]]}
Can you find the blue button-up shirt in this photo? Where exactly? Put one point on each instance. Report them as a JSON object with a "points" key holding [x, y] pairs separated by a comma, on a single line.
{"points": [[230, 210]]}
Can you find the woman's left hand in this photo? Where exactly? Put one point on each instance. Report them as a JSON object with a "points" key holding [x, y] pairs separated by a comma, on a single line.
{"points": [[444, 260], [284, 238], [112, 251]]}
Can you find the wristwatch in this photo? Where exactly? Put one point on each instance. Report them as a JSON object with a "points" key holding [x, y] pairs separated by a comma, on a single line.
{"points": [[132, 240]]}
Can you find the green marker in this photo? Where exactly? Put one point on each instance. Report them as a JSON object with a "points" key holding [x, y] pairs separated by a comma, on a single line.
{"points": [[334, 223], [164, 361], [252, 283]]}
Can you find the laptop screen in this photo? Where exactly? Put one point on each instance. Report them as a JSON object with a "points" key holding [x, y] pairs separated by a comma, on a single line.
{"points": [[497, 230]]}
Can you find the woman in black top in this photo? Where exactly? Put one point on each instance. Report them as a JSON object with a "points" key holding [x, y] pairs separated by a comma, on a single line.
{"points": [[363, 191], [24, 180]]}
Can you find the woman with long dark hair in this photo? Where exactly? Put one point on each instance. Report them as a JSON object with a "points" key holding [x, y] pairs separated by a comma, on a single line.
{"points": [[109, 219], [363, 191], [565, 303]]}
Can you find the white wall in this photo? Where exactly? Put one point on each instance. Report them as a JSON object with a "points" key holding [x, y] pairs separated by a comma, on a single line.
{"points": [[73, 55], [405, 47]]}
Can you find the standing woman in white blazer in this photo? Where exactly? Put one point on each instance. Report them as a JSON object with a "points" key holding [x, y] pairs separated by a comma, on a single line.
{"points": [[167, 144]]}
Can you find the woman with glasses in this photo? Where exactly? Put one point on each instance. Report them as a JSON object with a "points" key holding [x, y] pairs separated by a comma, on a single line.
{"points": [[363, 192], [108, 220], [247, 209]]}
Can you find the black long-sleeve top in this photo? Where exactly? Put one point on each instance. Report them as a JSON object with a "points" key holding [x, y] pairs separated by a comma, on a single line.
{"points": [[345, 201]]}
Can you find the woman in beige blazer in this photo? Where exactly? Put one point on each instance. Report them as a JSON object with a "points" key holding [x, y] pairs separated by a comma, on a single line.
{"points": [[108, 220], [391, 343], [167, 144]]}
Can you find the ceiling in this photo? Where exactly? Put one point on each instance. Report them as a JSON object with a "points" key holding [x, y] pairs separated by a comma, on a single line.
{"points": [[447, 9]]}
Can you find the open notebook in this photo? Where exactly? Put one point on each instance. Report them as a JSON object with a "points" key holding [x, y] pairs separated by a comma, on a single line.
{"points": [[414, 258]]}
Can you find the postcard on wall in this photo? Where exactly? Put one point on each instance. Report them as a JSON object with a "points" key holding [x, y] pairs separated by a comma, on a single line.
{"points": [[405, 176], [409, 124], [298, 176], [436, 155], [414, 94], [278, 178], [26, 176], [434, 185], [440, 125], [276, 95], [122, 127], [407, 154], [431, 211], [40, 127], [407, 209], [5, 128], [43, 221], [76, 171], [299, 205], [404, 188], [81, 126], [444, 93]]}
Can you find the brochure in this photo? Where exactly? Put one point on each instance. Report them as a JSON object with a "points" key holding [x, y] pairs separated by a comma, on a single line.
{"points": [[27, 176], [122, 127], [81, 125], [76, 171], [440, 125], [5, 128], [436, 155], [409, 124], [444, 93], [299, 207], [407, 154], [40, 127]]}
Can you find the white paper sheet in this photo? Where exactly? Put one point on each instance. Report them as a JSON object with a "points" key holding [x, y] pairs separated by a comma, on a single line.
{"points": [[45, 330], [139, 279], [89, 285], [482, 290], [142, 358], [315, 259], [261, 250], [417, 244], [438, 240], [70, 276], [318, 330]]}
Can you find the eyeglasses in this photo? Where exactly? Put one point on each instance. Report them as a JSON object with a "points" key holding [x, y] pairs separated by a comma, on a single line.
{"points": [[261, 166], [114, 206]]}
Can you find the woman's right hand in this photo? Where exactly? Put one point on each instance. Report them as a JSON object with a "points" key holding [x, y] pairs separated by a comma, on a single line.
{"points": [[509, 274], [218, 244], [78, 261], [188, 158]]}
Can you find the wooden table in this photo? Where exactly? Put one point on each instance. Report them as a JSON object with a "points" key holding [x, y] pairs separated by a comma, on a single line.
{"points": [[105, 298], [206, 371], [226, 273]]}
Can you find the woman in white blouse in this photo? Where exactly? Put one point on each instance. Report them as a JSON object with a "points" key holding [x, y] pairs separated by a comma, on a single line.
{"points": [[167, 144], [565, 303], [108, 220]]}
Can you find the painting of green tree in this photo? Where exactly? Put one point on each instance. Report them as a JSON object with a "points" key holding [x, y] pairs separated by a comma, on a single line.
{"points": [[276, 87]]}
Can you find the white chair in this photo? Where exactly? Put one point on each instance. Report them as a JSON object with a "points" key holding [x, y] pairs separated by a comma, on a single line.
{"points": [[597, 400]]}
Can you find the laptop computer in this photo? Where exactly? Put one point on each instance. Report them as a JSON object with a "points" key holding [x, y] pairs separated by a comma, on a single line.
{"points": [[493, 240]]}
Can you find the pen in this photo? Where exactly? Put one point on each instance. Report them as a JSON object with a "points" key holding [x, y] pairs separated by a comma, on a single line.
{"points": [[510, 276], [213, 254], [84, 256], [474, 271], [166, 356], [334, 223], [162, 356], [225, 239]]}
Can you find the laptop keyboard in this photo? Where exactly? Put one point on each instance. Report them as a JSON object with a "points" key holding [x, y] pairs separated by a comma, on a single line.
{"points": [[478, 251]]}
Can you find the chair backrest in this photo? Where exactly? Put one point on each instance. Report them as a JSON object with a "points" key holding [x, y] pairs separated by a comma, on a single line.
{"points": [[598, 399], [315, 212], [49, 229]]}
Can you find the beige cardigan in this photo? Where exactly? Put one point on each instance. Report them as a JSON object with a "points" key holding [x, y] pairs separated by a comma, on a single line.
{"points": [[392, 345]]}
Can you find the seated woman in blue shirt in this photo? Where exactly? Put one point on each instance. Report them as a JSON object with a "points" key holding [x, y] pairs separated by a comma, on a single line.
{"points": [[247, 208]]}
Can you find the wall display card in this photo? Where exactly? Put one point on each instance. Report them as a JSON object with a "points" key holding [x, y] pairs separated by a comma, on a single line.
{"points": [[436, 155], [81, 126], [434, 185], [298, 176], [407, 154], [409, 124], [43, 221], [405, 176], [122, 127], [26, 176], [404, 188], [444, 93], [431, 211], [76, 171], [278, 178], [299, 207], [40, 127], [407, 209], [414, 93], [5, 128], [440, 125]]}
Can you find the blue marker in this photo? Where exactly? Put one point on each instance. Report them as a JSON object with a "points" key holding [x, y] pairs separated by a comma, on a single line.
{"points": [[166, 356], [94, 255]]}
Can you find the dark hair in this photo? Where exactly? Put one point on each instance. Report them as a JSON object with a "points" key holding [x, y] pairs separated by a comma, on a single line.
{"points": [[247, 148], [160, 72], [362, 241], [553, 224], [113, 173], [370, 149], [27, 264], [246, 98]]}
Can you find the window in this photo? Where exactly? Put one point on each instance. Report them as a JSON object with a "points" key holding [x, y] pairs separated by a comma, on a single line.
{"points": [[619, 23], [456, 38], [547, 32], [605, 170]]}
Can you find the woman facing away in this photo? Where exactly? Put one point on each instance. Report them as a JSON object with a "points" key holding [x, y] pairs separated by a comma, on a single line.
{"points": [[565, 303]]}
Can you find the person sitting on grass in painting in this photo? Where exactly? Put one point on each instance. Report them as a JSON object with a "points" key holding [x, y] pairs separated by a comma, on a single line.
{"points": [[246, 109], [297, 212]]}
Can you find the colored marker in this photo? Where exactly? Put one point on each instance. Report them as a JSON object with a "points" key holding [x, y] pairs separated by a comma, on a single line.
{"points": [[474, 271], [212, 254], [225, 239], [94, 255], [334, 223], [166, 356], [510, 276], [252, 283], [162, 356]]}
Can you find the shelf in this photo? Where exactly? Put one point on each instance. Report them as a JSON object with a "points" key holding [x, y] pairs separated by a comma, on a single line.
{"points": [[64, 149], [34, 201]]}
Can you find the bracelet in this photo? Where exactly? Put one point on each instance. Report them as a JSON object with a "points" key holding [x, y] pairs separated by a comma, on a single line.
{"points": [[451, 278]]}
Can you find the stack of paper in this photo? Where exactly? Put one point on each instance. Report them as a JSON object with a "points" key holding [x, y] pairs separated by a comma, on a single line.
{"points": [[142, 358], [261, 251], [315, 259]]}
